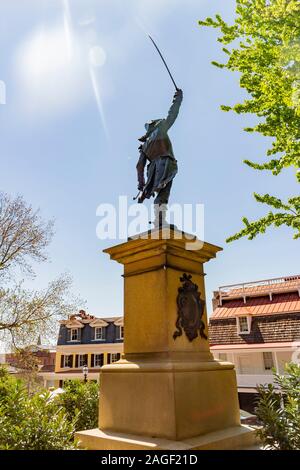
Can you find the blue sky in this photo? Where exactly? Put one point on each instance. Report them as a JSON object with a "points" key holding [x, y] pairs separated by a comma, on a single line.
{"points": [[69, 132]]}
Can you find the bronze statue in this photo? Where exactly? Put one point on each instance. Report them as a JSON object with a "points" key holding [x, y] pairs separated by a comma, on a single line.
{"points": [[156, 148]]}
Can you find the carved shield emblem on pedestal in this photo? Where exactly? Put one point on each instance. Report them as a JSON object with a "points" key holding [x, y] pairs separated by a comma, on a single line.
{"points": [[190, 310]]}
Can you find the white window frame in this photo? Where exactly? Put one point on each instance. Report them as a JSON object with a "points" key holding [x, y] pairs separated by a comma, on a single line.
{"points": [[120, 332], [264, 359], [81, 359], [240, 332], [112, 357], [99, 355], [102, 328], [67, 356], [74, 340]]}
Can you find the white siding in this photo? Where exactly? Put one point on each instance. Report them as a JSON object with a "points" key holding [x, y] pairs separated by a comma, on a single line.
{"points": [[250, 363], [282, 358]]}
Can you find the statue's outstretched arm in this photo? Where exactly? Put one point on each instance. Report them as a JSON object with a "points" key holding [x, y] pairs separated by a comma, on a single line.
{"points": [[174, 109]]}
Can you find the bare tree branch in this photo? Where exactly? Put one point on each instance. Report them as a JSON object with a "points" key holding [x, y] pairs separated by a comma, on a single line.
{"points": [[24, 237]]}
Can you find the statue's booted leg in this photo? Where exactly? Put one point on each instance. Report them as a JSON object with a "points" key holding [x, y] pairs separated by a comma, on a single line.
{"points": [[161, 206]]}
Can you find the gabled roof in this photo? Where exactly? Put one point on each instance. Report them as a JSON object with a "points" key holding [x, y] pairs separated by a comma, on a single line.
{"points": [[111, 319], [82, 318]]}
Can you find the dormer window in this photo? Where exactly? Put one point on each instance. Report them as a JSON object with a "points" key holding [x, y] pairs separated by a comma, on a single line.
{"points": [[120, 332], [73, 334], [99, 333], [243, 325]]}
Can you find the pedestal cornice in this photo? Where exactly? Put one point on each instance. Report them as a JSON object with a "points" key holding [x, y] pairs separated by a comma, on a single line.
{"points": [[157, 252]]}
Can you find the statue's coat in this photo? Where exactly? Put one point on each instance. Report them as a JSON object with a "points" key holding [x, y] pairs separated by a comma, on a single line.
{"points": [[157, 149]]}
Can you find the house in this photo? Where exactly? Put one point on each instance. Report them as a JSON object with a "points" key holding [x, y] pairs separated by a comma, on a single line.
{"points": [[44, 355], [85, 340], [256, 326]]}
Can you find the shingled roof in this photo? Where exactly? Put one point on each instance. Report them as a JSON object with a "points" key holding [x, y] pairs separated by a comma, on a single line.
{"points": [[273, 305], [264, 329]]}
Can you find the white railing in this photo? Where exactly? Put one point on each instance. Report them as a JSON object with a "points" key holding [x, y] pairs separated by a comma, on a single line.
{"points": [[252, 380], [268, 285]]}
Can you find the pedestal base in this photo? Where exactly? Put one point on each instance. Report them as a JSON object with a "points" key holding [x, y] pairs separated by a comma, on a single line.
{"points": [[167, 392], [234, 438], [170, 398]]}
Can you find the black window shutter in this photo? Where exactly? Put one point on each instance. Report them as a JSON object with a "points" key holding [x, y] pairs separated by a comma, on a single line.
{"points": [[79, 334], [101, 359], [108, 358], [86, 359], [118, 356], [104, 332], [93, 360], [62, 361], [76, 360]]}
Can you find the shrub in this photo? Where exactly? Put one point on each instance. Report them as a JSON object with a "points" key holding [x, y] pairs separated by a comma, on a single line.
{"points": [[80, 400], [278, 410], [32, 422]]}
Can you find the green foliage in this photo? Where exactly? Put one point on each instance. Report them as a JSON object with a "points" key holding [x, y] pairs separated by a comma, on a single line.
{"points": [[288, 216], [37, 422], [265, 50], [80, 400], [278, 410], [32, 422], [8, 385]]}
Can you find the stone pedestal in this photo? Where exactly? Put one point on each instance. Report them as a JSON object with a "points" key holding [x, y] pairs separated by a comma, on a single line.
{"points": [[167, 391]]}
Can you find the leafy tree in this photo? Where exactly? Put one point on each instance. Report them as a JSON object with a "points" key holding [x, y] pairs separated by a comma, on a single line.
{"points": [[7, 384], [278, 410], [24, 238], [80, 400], [265, 50], [32, 422]]}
